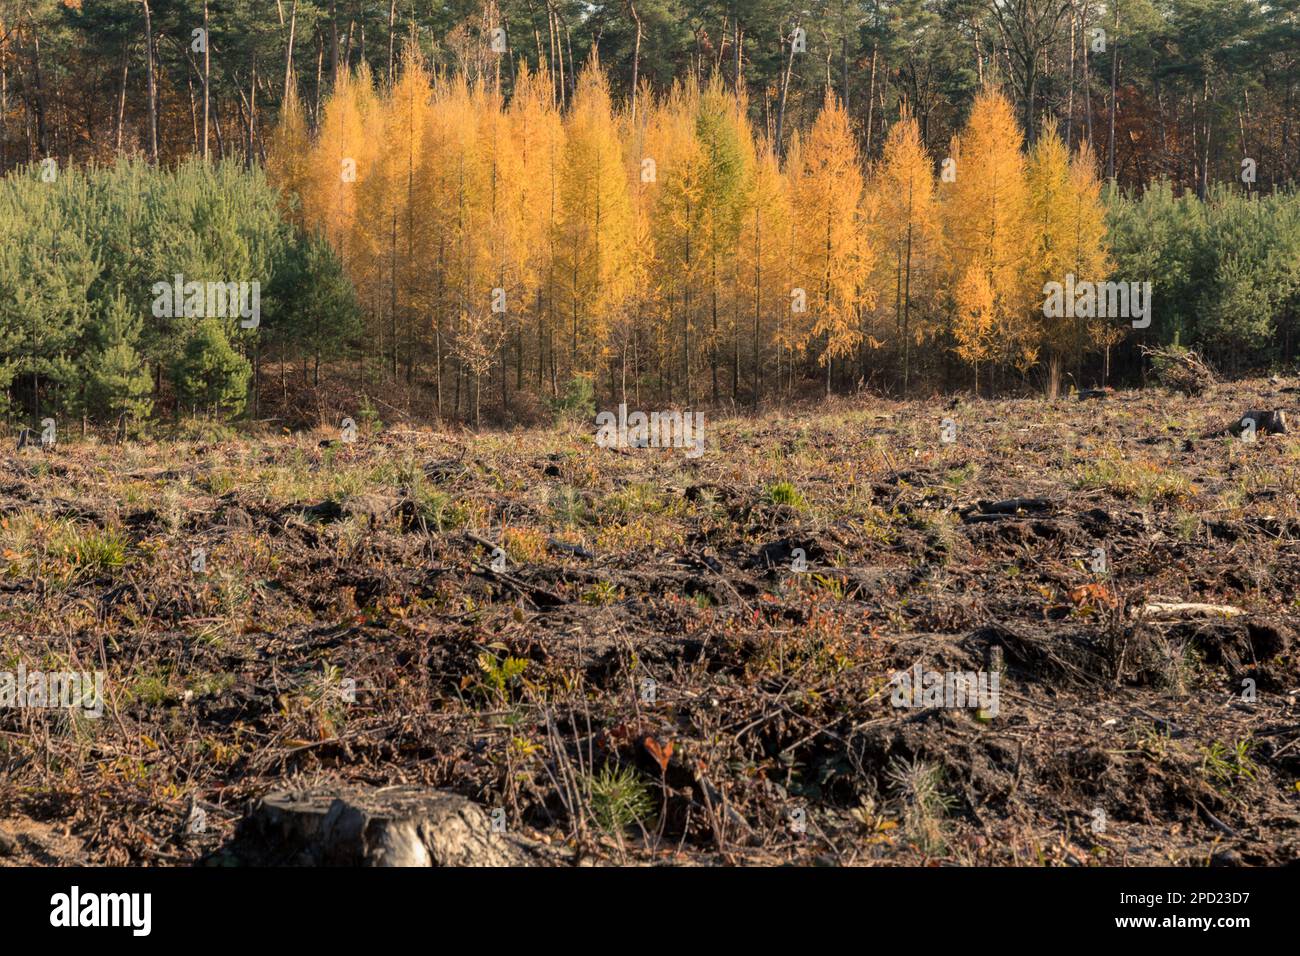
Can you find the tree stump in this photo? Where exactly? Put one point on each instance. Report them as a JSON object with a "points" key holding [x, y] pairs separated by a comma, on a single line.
{"points": [[390, 826], [1267, 421], [1087, 394]]}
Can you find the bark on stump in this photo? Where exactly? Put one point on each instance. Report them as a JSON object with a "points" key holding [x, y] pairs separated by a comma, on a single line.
{"points": [[392, 826], [1267, 421]]}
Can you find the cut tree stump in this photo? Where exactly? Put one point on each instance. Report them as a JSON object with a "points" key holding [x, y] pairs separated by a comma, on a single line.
{"points": [[390, 826], [1267, 421], [1010, 508]]}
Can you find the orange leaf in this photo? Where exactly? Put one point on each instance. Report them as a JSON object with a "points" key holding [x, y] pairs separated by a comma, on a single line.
{"points": [[1092, 594], [661, 754]]}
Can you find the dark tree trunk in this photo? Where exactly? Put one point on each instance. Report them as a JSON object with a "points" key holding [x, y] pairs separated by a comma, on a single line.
{"points": [[1114, 83], [207, 78], [151, 84], [334, 42]]}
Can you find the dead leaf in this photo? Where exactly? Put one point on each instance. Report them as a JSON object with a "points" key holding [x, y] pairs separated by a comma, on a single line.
{"points": [[661, 754], [1092, 595]]}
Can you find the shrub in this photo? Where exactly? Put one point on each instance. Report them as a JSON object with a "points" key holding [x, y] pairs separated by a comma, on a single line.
{"points": [[577, 402], [209, 374], [785, 493], [619, 798]]}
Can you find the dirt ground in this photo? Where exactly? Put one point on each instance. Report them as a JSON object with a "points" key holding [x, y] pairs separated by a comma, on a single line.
{"points": [[673, 660]]}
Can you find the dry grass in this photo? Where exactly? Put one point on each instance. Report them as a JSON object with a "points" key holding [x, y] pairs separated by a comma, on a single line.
{"points": [[349, 623]]}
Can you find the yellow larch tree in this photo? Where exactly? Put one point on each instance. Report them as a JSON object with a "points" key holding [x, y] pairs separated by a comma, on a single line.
{"points": [[1066, 239], [793, 329], [504, 237], [596, 224], [440, 193], [725, 179], [976, 322], [833, 253], [675, 148], [763, 281], [748, 155], [391, 229], [288, 158], [985, 214], [468, 265], [638, 133], [1050, 252], [1092, 260], [907, 231], [488, 236], [338, 162], [538, 130], [372, 114]]}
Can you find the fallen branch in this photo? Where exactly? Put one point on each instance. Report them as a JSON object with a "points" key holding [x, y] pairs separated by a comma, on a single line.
{"points": [[1181, 611]]}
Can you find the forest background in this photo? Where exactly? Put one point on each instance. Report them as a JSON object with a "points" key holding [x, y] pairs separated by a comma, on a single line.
{"points": [[484, 209]]}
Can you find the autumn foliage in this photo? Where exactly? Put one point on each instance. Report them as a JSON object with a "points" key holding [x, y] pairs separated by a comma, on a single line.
{"points": [[505, 247]]}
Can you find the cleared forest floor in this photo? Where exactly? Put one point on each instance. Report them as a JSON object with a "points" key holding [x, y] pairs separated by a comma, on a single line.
{"points": [[647, 677]]}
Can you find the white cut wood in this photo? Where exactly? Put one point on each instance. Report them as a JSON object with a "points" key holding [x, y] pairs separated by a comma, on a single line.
{"points": [[1182, 610]]}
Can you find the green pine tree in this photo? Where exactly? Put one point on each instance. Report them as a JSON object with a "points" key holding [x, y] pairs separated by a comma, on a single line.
{"points": [[117, 382], [209, 375]]}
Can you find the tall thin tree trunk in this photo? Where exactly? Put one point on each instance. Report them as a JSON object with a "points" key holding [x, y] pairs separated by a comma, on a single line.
{"points": [[844, 68], [636, 56], [738, 80], [4, 103], [1114, 83], [320, 63], [1087, 73], [557, 52], [288, 53], [207, 78], [152, 85], [713, 344], [907, 294], [194, 112], [121, 101], [785, 90], [1204, 188], [392, 18], [38, 99], [334, 42], [573, 74], [871, 95], [252, 113], [216, 127], [1069, 103]]}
